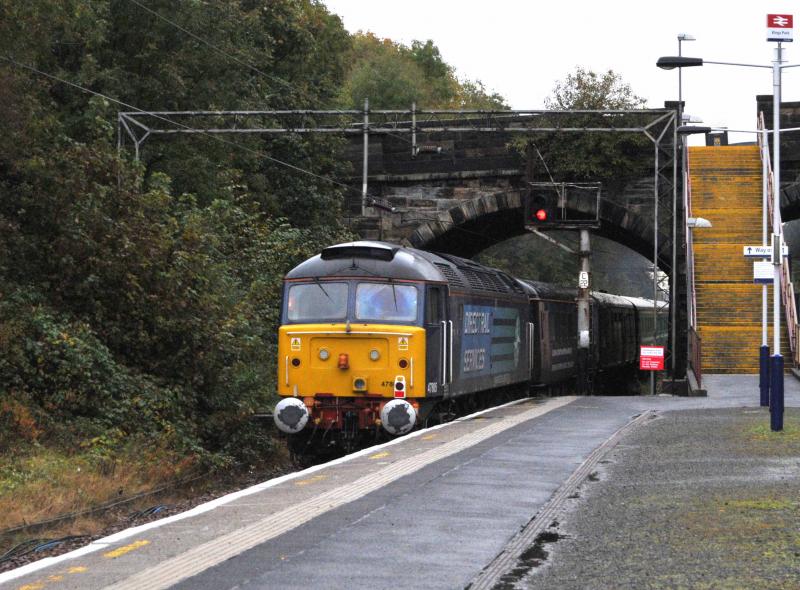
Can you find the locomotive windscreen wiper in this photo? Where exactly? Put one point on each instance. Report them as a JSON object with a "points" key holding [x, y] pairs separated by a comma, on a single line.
{"points": [[319, 284]]}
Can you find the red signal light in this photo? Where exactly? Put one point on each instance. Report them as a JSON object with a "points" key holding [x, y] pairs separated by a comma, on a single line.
{"points": [[541, 215]]}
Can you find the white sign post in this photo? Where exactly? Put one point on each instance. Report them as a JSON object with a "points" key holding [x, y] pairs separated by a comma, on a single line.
{"points": [[780, 27]]}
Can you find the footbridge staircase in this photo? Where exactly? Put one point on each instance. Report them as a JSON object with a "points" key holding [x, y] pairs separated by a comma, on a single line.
{"points": [[725, 187]]}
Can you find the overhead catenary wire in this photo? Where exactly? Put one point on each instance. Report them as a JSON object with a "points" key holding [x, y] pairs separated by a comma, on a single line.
{"points": [[258, 153], [373, 200]]}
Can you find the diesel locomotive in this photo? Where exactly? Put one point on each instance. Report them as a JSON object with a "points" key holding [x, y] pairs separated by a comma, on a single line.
{"points": [[376, 336]]}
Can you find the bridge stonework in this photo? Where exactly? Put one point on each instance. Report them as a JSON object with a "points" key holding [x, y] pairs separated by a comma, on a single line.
{"points": [[470, 197]]}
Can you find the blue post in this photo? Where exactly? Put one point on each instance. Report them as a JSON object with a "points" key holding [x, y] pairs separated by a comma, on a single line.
{"points": [[763, 375], [776, 394]]}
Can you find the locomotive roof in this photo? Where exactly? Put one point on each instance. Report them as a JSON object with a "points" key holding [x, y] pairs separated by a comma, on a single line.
{"points": [[369, 259], [372, 259]]}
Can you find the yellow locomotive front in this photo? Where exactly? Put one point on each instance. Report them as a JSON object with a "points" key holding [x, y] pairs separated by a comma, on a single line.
{"points": [[351, 356]]}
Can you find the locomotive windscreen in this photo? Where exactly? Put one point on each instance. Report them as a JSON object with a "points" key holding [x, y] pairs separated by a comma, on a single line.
{"points": [[317, 301], [381, 301]]}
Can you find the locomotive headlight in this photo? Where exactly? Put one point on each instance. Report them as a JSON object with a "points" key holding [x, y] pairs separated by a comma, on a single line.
{"points": [[374, 355], [324, 354], [360, 384]]}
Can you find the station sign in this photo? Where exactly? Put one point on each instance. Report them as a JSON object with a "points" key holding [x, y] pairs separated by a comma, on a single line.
{"points": [[763, 251], [651, 358], [763, 272], [780, 27]]}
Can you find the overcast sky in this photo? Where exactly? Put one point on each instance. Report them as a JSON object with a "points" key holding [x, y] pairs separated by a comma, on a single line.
{"points": [[520, 48]]}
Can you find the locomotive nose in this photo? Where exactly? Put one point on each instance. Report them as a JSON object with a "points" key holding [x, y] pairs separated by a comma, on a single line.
{"points": [[398, 417], [290, 415]]}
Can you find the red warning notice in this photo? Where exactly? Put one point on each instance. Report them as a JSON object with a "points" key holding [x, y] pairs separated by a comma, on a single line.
{"points": [[651, 358]]}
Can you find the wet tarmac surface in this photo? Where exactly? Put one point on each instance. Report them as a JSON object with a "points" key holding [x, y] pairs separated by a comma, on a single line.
{"points": [[437, 524]]}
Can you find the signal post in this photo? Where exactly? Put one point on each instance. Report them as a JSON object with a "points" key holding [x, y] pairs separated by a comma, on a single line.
{"points": [[584, 311], [546, 208]]}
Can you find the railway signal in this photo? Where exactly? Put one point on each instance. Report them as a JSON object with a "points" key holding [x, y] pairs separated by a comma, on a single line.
{"points": [[563, 205], [540, 210]]}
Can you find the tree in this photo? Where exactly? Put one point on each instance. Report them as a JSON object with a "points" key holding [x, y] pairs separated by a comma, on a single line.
{"points": [[586, 90], [144, 296], [393, 75], [587, 156]]}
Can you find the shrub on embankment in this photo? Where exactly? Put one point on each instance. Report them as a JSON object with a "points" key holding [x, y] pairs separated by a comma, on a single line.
{"points": [[139, 300]]}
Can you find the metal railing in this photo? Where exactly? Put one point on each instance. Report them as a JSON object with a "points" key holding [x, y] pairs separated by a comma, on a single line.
{"points": [[695, 342], [787, 289], [687, 207], [696, 355]]}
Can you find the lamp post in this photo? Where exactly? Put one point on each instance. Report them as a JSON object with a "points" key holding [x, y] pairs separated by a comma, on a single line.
{"points": [[776, 364], [681, 38], [673, 284]]}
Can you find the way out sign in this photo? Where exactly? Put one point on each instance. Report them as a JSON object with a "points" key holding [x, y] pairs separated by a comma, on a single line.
{"points": [[651, 358]]}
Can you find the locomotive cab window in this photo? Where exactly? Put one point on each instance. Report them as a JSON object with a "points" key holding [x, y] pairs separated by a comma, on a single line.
{"points": [[386, 301], [434, 303], [317, 301]]}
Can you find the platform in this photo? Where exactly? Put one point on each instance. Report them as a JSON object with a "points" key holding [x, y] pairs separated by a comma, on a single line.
{"points": [[430, 510]]}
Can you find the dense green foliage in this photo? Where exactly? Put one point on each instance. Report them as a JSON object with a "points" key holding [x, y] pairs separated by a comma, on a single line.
{"points": [[139, 300], [589, 156], [393, 76]]}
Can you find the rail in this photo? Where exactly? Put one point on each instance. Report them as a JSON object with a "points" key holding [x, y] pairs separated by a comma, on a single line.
{"points": [[787, 289], [696, 355]]}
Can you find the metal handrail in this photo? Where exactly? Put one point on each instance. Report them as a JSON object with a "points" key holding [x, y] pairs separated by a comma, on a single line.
{"points": [[695, 347], [696, 355], [687, 207], [787, 289]]}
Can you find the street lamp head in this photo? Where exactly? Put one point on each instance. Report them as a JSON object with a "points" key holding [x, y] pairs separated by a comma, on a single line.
{"points": [[693, 129], [678, 61], [697, 222], [686, 37], [687, 119]]}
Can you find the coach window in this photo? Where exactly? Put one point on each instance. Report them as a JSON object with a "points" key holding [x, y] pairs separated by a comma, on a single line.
{"points": [[386, 302], [317, 301]]}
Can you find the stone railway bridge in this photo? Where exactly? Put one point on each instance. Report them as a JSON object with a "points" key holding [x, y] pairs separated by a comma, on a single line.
{"points": [[470, 195], [464, 192]]}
